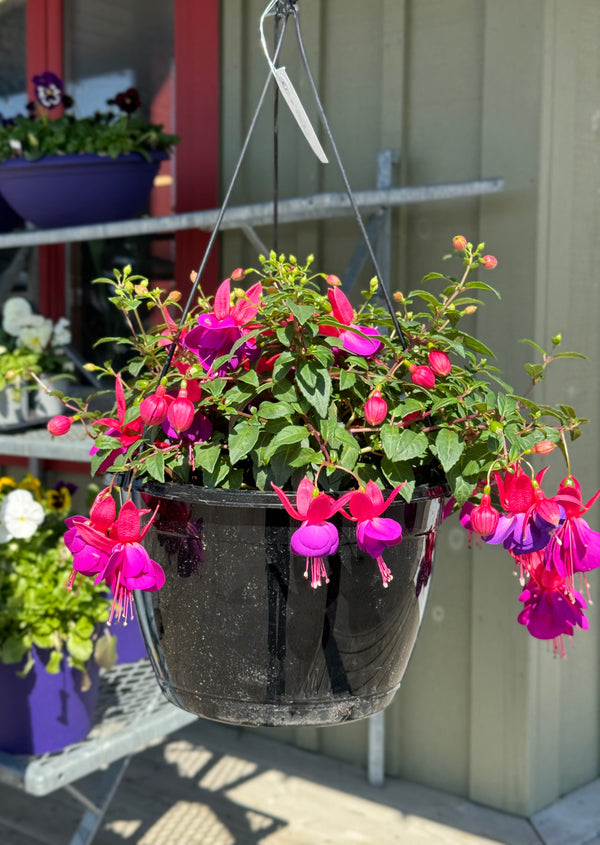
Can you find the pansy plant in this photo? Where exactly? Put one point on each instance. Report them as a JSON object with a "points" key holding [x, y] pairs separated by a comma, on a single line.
{"points": [[287, 385]]}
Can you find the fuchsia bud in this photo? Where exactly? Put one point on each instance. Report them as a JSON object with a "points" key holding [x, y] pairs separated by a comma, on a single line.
{"points": [[544, 447], [439, 362], [154, 409], [423, 376], [484, 518], [334, 281], [459, 242], [489, 262], [59, 425], [375, 408], [238, 274], [181, 411]]}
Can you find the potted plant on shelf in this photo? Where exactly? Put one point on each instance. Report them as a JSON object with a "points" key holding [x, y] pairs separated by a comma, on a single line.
{"points": [[49, 168], [48, 634], [30, 344], [275, 440]]}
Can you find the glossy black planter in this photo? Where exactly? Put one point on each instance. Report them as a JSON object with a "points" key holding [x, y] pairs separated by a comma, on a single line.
{"points": [[238, 635]]}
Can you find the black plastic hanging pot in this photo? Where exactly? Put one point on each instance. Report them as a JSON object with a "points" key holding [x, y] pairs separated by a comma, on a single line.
{"points": [[237, 634]]}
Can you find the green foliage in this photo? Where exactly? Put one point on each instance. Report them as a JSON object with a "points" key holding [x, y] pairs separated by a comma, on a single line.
{"points": [[289, 399], [36, 608]]}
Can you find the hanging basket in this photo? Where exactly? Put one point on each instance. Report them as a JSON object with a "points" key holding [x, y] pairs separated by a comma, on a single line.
{"points": [[237, 634], [74, 190]]}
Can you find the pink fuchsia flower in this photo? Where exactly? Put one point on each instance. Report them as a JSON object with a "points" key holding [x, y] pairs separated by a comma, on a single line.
{"points": [[88, 540], [181, 411], [316, 538], [439, 363], [129, 565], [343, 312], [483, 517], [59, 425], [422, 376], [575, 547], [155, 408], [375, 408], [489, 262], [374, 533], [126, 431], [550, 608], [217, 333]]}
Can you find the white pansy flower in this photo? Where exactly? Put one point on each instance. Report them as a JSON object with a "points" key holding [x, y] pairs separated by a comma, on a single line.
{"points": [[36, 337], [20, 516], [61, 335], [15, 310]]}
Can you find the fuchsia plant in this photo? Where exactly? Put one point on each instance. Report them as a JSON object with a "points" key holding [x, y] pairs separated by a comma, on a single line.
{"points": [[289, 387]]}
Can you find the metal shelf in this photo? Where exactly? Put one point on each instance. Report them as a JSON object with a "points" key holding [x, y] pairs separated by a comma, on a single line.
{"points": [[317, 206], [131, 713]]}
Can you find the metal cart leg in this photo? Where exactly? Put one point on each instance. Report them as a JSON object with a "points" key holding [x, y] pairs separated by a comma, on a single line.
{"points": [[95, 812]]}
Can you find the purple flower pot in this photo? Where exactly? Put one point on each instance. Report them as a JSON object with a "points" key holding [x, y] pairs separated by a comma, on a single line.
{"points": [[9, 219], [130, 643], [72, 190], [238, 635], [41, 713]]}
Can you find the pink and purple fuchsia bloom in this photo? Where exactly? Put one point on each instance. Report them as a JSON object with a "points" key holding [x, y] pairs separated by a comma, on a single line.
{"points": [[549, 541], [374, 533]]}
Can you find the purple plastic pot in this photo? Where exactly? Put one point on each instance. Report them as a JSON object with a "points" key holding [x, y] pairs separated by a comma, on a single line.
{"points": [[237, 634], [72, 190], [9, 219], [130, 643], [41, 713]]}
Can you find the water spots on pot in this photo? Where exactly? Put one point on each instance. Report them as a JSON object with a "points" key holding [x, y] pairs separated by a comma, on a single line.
{"points": [[438, 614]]}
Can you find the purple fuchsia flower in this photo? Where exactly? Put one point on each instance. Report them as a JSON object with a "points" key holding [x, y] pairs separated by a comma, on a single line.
{"points": [[48, 89], [575, 547], [550, 608], [316, 538], [88, 540], [217, 333], [374, 533], [343, 312]]}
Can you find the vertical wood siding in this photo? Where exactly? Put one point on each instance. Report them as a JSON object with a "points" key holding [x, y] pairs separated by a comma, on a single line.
{"points": [[462, 89]]}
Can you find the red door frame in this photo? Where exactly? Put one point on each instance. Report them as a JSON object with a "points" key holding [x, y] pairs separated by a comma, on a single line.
{"points": [[197, 63]]}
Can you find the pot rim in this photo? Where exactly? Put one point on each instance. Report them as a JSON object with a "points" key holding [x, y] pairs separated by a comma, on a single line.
{"points": [[75, 159], [252, 498]]}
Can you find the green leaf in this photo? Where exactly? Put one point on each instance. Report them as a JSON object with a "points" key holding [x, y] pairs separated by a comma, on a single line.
{"points": [[283, 365], [403, 445], [314, 382], [243, 439], [533, 344], [347, 379], [302, 313], [570, 355], [482, 286], [449, 448], [290, 434], [400, 472], [475, 345], [155, 466], [206, 456], [275, 410]]}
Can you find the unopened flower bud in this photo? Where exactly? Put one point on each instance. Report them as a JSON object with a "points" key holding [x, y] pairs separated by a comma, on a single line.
{"points": [[484, 518], [334, 281], [556, 340], [174, 296], [459, 242], [489, 262], [398, 296], [193, 276], [423, 376], [59, 425], [154, 409], [439, 362], [238, 274], [375, 408], [544, 447], [181, 412], [470, 309]]}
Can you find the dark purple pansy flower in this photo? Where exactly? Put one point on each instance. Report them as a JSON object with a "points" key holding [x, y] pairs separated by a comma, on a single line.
{"points": [[48, 89]]}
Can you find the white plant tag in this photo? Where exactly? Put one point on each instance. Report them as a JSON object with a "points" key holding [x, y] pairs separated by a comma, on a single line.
{"points": [[290, 95]]}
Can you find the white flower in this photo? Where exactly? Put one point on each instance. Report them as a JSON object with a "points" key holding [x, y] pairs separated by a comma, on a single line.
{"points": [[15, 310], [61, 335], [36, 334], [20, 516]]}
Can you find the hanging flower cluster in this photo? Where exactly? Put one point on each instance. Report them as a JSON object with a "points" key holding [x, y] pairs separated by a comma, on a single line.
{"points": [[550, 543], [108, 548], [288, 386]]}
